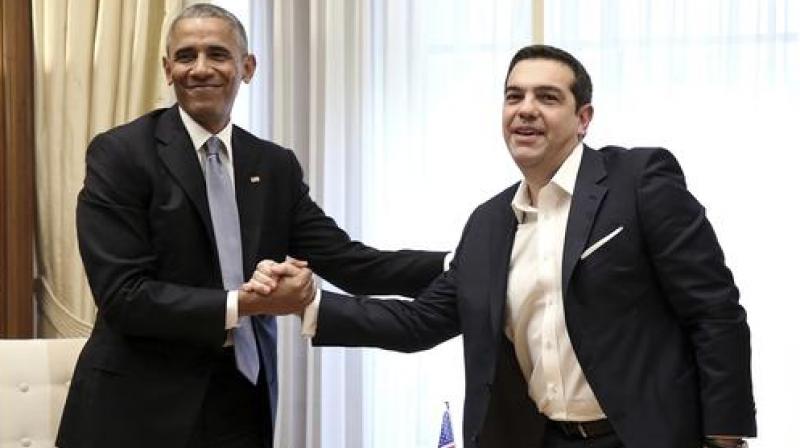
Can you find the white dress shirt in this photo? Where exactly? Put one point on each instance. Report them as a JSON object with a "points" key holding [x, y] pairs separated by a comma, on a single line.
{"points": [[199, 135], [535, 321]]}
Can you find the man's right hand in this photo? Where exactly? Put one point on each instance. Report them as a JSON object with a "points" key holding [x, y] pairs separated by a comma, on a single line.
{"points": [[291, 288]]}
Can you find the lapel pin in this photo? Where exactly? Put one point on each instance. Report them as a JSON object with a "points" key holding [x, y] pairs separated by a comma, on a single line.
{"points": [[255, 179]]}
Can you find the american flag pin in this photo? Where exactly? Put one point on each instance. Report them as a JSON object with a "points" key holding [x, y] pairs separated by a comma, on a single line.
{"points": [[255, 179]]}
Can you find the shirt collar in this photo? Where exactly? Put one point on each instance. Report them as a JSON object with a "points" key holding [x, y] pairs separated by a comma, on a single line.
{"points": [[565, 178], [200, 135], [567, 174]]}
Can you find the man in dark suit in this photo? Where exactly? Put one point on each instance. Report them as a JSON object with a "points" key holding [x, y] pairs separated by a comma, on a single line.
{"points": [[176, 207], [593, 297]]}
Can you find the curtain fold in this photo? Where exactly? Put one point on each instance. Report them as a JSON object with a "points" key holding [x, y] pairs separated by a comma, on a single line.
{"points": [[97, 65], [290, 124], [315, 89]]}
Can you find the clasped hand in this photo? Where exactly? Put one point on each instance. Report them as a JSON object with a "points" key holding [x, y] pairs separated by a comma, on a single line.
{"points": [[277, 288]]}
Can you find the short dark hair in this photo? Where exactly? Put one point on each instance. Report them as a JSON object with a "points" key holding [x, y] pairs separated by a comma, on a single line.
{"points": [[207, 10], [581, 88]]}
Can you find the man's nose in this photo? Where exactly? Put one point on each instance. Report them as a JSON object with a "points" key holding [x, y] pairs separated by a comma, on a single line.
{"points": [[528, 107], [202, 66]]}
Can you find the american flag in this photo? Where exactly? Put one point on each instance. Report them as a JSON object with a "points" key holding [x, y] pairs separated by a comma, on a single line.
{"points": [[446, 439]]}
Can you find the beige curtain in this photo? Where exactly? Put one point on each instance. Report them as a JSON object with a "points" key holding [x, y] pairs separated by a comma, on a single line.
{"points": [[97, 65]]}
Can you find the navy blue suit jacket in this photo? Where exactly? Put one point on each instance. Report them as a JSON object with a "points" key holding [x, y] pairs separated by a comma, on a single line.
{"points": [[653, 314], [147, 244]]}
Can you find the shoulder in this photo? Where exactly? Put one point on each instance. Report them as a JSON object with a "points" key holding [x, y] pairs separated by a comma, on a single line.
{"points": [[632, 156], [499, 202], [637, 160], [122, 145], [249, 139], [495, 210], [274, 152], [137, 129], [128, 142]]}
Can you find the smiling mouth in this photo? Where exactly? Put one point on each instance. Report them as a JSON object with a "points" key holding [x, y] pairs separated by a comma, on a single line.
{"points": [[528, 132]]}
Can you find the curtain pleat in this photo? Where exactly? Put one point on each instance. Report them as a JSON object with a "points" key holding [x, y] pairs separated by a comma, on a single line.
{"points": [[97, 65]]}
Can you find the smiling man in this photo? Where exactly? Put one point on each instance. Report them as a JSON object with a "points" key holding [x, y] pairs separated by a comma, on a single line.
{"points": [[206, 61], [593, 298], [176, 209]]}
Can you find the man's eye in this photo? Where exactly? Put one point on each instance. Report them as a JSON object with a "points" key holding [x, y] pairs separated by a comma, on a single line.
{"points": [[218, 55], [183, 57], [511, 97], [548, 98]]}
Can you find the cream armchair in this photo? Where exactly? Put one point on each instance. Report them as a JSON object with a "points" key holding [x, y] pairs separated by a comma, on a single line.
{"points": [[34, 377]]}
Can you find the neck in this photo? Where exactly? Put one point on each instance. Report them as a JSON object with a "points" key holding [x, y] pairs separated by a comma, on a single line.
{"points": [[212, 124], [536, 177], [213, 127]]}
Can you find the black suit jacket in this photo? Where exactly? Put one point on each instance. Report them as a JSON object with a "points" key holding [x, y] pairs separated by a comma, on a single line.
{"points": [[146, 239], [653, 314]]}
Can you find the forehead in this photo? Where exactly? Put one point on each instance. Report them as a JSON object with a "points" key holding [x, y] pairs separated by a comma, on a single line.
{"points": [[201, 32], [541, 72]]}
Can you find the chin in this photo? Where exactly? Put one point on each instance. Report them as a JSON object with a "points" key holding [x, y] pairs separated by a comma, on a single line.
{"points": [[527, 152], [201, 111], [525, 156]]}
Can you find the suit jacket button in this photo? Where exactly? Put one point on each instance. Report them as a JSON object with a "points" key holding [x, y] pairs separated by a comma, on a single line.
{"points": [[23, 387], [26, 442]]}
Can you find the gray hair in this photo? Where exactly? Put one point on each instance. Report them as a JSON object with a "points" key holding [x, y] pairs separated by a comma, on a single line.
{"points": [[207, 10]]}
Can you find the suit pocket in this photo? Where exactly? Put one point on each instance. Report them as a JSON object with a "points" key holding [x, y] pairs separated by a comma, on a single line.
{"points": [[602, 244]]}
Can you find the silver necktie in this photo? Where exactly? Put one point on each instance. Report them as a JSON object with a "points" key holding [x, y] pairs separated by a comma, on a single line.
{"points": [[225, 218]]}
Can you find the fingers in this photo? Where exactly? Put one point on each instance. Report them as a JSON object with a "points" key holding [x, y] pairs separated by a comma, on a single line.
{"points": [[290, 267], [264, 280], [296, 262], [265, 267], [286, 269], [262, 287], [281, 288]]}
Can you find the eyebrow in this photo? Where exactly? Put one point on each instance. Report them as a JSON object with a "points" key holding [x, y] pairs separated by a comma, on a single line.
{"points": [[536, 89], [219, 48], [210, 48]]}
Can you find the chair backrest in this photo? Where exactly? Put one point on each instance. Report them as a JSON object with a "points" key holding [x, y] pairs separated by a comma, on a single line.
{"points": [[34, 378]]}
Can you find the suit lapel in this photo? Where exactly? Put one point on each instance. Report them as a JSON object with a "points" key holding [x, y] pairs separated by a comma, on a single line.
{"points": [[176, 151], [501, 240], [249, 193], [589, 194]]}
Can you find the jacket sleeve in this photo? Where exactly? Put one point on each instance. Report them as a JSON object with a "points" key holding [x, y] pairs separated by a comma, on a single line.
{"points": [[115, 242], [351, 265], [391, 324], [395, 324], [690, 267]]}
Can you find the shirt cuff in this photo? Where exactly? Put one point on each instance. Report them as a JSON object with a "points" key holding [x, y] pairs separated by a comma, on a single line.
{"points": [[232, 310], [448, 257], [309, 328]]}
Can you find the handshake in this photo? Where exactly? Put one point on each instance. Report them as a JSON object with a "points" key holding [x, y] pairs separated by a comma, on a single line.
{"points": [[277, 289]]}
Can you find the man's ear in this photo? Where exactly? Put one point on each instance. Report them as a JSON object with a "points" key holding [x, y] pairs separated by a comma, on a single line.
{"points": [[167, 69], [249, 68], [585, 114]]}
